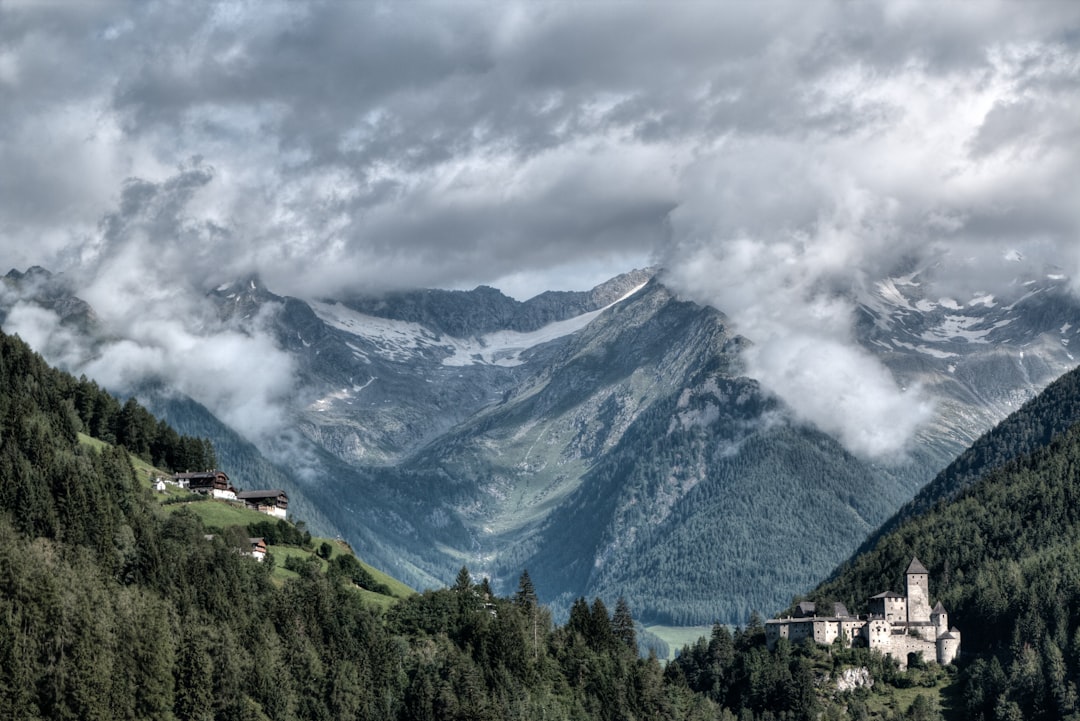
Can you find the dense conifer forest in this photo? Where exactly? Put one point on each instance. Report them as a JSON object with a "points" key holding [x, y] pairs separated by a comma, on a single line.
{"points": [[1004, 559], [114, 610], [1033, 426]]}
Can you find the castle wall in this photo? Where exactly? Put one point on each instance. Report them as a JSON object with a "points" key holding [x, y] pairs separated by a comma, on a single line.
{"points": [[890, 606], [948, 649], [896, 609], [851, 629], [877, 632], [900, 645], [794, 630]]}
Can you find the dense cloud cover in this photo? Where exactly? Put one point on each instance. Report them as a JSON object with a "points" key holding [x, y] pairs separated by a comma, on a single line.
{"points": [[766, 154]]}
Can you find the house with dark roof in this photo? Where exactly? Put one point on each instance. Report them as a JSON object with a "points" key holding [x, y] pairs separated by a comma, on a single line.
{"points": [[258, 549], [273, 502], [214, 483]]}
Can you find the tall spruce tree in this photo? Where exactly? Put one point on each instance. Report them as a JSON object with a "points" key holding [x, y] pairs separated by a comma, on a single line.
{"points": [[526, 594], [622, 624]]}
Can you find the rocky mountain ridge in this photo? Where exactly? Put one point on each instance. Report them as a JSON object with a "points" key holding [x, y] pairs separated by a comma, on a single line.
{"points": [[611, 441]]}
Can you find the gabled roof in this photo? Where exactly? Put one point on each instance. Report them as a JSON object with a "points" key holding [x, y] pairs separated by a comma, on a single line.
{"points": [[200, 475], [947, 637], [270, 493], [916, 566], [887, 594]]}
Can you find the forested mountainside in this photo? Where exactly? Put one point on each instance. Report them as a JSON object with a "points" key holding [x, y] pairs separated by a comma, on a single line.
{"points": [[638, 442], [1033, 426], [114, 609], [1003, 557], [639, 430], [601, 439], [1000, 544]]}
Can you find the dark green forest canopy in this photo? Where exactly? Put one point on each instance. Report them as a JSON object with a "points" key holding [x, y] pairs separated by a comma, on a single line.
{"points": [[114, 610], [1004, 559], [1032, 426]]}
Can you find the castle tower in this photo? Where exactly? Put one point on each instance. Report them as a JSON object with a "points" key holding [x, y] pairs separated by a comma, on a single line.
{"points": [[918, 593], [948, 647], [940, 618]]}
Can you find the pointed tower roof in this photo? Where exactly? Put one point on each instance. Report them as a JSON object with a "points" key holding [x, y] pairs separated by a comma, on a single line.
{"points": [[938, 608], [916, 566]]}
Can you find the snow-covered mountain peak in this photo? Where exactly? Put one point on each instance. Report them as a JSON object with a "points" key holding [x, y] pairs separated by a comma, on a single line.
{"points": [[401, 340]]}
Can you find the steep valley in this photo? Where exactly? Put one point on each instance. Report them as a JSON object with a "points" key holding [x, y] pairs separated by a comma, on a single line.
{"points": [[610, 441]]}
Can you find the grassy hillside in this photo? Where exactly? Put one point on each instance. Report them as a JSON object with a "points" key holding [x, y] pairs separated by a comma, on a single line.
{"points": [[219, 514]]}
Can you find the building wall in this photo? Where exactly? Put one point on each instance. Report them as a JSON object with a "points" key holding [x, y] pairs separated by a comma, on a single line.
{"points": [[941, 623], [947, 650], [900, 645], [851, 630], [826, 631], [918, 598], [896, 609]]}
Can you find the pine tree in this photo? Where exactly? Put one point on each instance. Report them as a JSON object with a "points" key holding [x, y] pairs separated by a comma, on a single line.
{"points": [[622, 624], [600, 636], [526, 594]]}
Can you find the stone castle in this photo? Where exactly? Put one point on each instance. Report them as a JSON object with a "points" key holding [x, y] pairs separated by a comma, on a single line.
{"points": [[898, 626]]}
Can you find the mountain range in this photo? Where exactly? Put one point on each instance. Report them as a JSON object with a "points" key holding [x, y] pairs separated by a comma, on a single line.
{"points": [[612, 441]]}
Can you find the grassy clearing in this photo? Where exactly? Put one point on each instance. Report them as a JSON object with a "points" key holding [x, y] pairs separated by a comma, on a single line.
{"points": [[221, 514], [678, 636], [145, 472], [376, 599], [92, 442], [282, 574], [218, 514], [397, 588], [898, 700]]}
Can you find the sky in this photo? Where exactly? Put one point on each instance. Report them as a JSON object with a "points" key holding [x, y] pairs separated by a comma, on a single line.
{"points": [[765, 154]]}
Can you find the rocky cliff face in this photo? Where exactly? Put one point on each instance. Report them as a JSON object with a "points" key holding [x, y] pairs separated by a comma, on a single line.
{"points": [[611, 441]]}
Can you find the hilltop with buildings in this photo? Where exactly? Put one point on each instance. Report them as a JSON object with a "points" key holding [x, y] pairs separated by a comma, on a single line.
{"points": [[900, 626]]}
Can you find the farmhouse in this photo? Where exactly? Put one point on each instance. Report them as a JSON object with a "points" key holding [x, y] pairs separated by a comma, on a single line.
{"points": [[273, 502], [258, 549], [901, 626], [215, 483]]}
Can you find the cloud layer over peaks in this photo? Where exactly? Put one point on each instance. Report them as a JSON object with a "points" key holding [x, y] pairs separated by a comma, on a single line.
{"points": [[766, 153], [917, 162]]}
